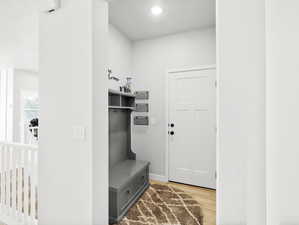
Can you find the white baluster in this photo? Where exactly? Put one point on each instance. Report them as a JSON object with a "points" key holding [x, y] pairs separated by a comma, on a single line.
{"points": [[13, 182], [2, 177], [33, 187], [36, 186], [26, 188], [20, 185], [7, 180], [10, 180], [30, 176]]}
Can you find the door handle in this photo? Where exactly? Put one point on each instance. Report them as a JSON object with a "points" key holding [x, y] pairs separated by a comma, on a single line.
{"points": [[171, 124]]}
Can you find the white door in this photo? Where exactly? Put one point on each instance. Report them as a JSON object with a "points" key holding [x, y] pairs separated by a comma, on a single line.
{"points": [[192, 127]]}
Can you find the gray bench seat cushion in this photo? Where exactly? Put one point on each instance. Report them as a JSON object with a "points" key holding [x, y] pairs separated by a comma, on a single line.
{"points": [[121, 174]]}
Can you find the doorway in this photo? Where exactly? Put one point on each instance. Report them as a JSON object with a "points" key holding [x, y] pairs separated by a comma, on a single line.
{"points": [[191, 125], [146, 38]]}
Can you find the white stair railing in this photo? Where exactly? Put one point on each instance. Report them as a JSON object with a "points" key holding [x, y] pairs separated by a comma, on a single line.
{"points": [[18, 184]]}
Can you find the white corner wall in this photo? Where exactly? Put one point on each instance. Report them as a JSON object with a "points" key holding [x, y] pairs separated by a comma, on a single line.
{"points": [[282, 111], [151, 59], [120, 57], [100, 132], [241, 118], [73, 173]]}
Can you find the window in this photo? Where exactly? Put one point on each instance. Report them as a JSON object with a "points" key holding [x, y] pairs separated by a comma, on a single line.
{"points": [[30, 112]]}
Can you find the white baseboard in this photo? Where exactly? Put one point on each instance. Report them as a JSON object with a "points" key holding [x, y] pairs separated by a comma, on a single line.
{"points": [[158, 177]]}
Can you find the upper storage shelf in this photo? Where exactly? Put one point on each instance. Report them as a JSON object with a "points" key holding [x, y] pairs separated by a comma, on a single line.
{"points": [[120, 100]]}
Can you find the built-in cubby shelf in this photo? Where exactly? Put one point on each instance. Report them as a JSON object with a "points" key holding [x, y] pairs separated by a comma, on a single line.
{"points": [[128, 177], [120, 100], [121, 107]]}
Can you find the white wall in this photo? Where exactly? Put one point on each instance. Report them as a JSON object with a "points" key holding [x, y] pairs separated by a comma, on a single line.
{"points": [[73, 173], [23, 81], [241, 113], [100, 145], [120, 57], [282, 111], [151, 59], [19, 34]]}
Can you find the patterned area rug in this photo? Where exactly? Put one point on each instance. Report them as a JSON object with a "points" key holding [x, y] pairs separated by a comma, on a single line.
{"points": [[164, 205]]}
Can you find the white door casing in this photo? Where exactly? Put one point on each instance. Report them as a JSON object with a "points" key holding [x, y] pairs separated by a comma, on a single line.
{"points": [[192, 139]]}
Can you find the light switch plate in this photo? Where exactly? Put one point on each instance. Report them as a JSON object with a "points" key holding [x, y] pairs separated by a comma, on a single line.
{"points": [[79, 133]]}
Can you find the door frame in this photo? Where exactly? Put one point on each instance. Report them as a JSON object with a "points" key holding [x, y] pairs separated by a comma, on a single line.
{"points": [[167, 77]]}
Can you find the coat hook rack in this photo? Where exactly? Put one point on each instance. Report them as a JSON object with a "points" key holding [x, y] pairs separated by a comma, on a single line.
{"points": [[112, 77]]}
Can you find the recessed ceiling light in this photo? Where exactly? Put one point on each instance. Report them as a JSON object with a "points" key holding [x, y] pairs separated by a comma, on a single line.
{"points": [[156, 10]]}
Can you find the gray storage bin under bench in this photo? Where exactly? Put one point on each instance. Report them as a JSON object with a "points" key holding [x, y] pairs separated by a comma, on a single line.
{"points": [[128, 181]]}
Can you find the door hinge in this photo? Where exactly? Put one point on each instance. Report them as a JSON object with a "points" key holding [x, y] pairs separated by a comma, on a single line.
{"points": [[216, 84]]}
